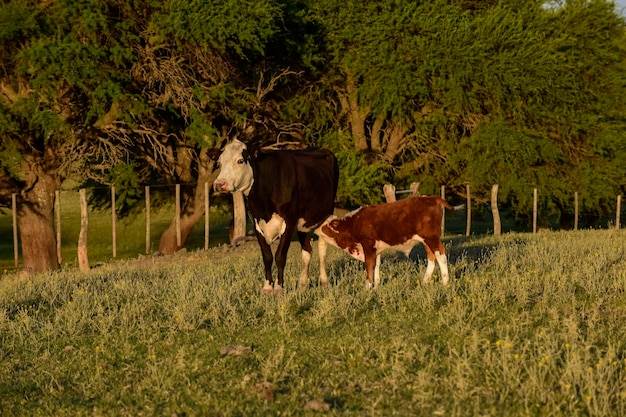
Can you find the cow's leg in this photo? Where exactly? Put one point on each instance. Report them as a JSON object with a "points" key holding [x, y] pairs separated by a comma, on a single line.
{"points": [[377, 272], [266, 251], [321, 249], [307, 249], [281, 258]]}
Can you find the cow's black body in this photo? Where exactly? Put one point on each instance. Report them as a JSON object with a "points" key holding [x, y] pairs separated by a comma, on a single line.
{"points": [[295, 185], [299, 186]]}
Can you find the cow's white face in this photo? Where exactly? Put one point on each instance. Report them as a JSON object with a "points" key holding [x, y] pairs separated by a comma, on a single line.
{"points": [[236, 172]]}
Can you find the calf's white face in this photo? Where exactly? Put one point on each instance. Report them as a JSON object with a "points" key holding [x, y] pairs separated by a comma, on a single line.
{"points": [[236, 172]]}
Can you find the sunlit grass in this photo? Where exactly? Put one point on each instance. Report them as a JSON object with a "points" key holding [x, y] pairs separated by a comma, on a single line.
{"points": [[530, 325], [130, 233]]}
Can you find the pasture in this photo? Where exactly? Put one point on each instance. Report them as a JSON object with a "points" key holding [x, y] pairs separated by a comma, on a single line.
{"points": [[530, 325]]}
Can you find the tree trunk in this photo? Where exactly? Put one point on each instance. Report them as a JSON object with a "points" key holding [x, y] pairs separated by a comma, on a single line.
{"points": [[167, 244], [397, 138], [36, 225], [192, 210], [376, 134], [357, 123], [356, 115]]}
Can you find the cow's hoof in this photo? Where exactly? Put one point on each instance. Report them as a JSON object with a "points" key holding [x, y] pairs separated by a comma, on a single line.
{"points": [[267, 291], [278, 291], [324, 284]]}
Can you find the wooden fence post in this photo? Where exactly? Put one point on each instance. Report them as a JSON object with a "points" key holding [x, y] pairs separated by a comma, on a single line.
{"points": [[177, 219], [239, 218], [57, 197], [389, 190], [206, 216], [415, 189], [575, 210], [16, 250], [443, 216], [469, 210], [113, 222], [497, 225], [535, 210], [618, 211], [147, 189], [83, 257]]}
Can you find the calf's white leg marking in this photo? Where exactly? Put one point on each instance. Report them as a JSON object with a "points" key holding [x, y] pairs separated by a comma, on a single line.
{"points": [[377, 271], [430, 268], [321, 247], [303, 282], [443, 265]]}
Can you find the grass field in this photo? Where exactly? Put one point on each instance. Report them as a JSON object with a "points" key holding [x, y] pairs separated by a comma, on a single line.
{"points": [[530, 325]]}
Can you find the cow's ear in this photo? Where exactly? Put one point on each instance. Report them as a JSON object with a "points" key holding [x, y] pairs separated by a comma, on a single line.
{"points": [[249, 154]]}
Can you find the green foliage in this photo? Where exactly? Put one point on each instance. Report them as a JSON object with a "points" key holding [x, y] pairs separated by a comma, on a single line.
{"points": [[128, 190], [360, 181], [17, 20], [499, 154], [201, 132], [224, 25], [482, 90], [11, 160], [525, 328]]}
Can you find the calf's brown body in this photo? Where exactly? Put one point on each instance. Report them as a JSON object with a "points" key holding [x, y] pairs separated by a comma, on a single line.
{"points": [[368, 231]]}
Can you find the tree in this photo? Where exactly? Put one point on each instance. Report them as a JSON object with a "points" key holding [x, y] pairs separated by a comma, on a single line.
{"points": [[557, 85], [204, 72], [456, 92], [52, 83], [125, 93]]}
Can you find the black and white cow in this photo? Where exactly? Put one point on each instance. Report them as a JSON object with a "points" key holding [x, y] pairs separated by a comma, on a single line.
{"points": [[286, 191]]}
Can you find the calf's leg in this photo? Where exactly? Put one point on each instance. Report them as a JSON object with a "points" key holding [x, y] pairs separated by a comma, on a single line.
{"points": [[377, 272], [307, 249], [436, 253], [370, 265], [442, 260], [321, 248], [430, 267]]}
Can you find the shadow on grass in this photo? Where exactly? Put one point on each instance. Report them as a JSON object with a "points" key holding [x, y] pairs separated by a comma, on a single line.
{"points": [[465, 254]]}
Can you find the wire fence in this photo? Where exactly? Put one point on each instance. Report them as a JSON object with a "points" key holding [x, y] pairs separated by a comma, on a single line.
{"points": [[110, 237]]}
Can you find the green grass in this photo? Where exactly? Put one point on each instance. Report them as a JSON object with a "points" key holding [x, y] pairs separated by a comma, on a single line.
{"points": [[530, 325]]}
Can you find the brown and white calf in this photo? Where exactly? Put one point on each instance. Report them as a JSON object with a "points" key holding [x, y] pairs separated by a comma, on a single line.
{"points": [[366, 232]]}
